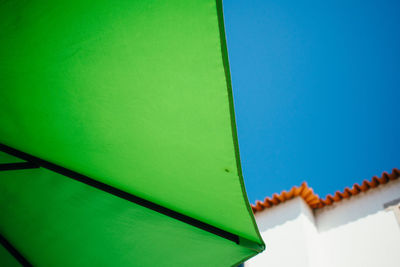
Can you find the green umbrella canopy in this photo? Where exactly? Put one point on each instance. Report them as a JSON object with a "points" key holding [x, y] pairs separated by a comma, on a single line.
{"points": [[124, 112]]}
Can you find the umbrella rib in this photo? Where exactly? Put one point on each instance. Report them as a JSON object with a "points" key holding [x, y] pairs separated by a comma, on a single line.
{"points": [[119, 193], [14, 252], [18, 166]]}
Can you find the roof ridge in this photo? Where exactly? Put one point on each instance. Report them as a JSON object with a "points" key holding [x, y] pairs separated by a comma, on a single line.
{"points": [[315, 202]]}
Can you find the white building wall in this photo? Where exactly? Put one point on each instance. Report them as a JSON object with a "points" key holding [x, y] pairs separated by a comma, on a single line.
{"points": [[285, 229], [359, 231], [356, 232]]}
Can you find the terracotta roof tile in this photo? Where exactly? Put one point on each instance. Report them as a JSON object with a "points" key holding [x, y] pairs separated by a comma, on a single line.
{"points": [[314, 201]]}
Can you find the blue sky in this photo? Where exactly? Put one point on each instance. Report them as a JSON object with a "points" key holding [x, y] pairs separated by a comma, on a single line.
{"points": [[316, 89]]}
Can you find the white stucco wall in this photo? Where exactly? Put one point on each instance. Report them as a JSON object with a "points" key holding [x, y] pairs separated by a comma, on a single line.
{"points": [[359, 231], [354, 232], [285, 228]]}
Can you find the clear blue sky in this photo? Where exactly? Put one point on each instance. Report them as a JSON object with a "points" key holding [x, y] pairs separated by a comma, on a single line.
{"points": [[317, 91]]}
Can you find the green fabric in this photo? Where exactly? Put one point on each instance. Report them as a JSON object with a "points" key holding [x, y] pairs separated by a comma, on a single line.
{"points": [[6, 158], [57, 221], [135, 94], [6, 259]]}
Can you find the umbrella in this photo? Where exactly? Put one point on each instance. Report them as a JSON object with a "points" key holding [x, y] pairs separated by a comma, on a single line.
{"points": [[118, 136]]}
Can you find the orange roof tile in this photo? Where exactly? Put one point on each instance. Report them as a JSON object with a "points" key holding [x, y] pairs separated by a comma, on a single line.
{"points": [[314, 201]]}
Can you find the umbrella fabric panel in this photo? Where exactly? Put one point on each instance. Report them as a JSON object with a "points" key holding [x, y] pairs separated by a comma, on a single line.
{"points": [[7, 158], [6, 259], [135, 94], [56, 221]]}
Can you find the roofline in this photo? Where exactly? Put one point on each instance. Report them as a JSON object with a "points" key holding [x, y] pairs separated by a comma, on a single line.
{"points": [[315, 202]]}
